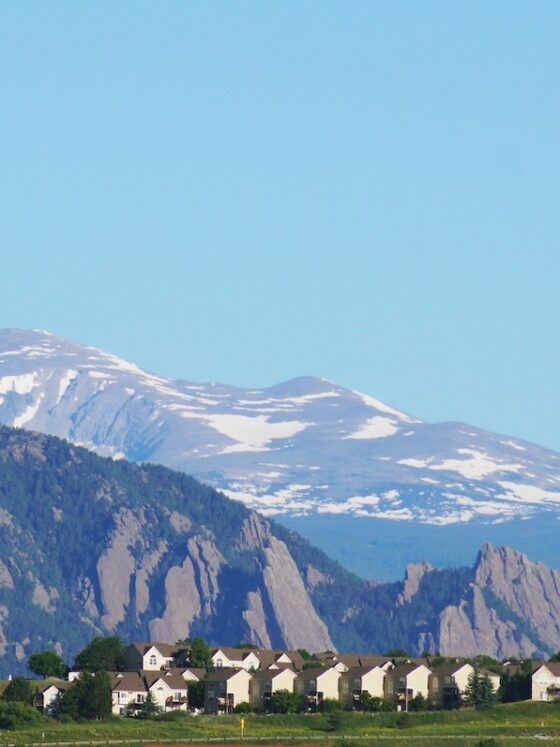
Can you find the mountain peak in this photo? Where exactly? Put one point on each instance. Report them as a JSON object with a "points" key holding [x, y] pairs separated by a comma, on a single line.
{"points": [[306, 446]]}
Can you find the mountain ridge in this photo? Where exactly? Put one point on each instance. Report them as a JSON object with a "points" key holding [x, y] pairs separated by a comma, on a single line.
{"points": [[90, 545], [299, 450]]}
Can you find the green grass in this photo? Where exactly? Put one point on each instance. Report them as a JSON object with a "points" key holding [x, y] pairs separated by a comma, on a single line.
{"points": [[515, 724]]}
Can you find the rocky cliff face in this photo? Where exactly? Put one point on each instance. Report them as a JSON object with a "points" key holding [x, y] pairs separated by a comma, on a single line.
{"points": [[106, 547], [91, 546], [509, 606]]}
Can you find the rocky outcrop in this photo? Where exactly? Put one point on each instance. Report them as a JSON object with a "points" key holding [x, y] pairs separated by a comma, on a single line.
{"points": [[255, 533], [256, 620], [182, 604], [530, 590], [300, 624], [190, 591], [6, 579], [4, 614], [314, 578], [145, 569], [412, 578], [207, 561], [116, 566], [473, 627], [44, 598]]}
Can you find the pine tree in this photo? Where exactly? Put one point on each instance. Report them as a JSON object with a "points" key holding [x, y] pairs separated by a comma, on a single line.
{"points": [[479, 691], [150, 708], [18, 690]]}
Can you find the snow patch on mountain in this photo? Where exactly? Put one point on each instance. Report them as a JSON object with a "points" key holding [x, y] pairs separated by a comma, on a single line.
{"points": [[22, 384], [64, 383], [376, 427], [301, 447], [382, 407], [529, 493], [476, 466], [29, 412]]}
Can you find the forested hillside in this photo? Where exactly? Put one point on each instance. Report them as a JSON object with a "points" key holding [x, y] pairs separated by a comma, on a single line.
{"points": [[89, 545]]}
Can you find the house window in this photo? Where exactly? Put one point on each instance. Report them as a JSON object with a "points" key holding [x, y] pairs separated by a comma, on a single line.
{"points": [[219, 663], [139, 698], [153, 660], [176, 696]]}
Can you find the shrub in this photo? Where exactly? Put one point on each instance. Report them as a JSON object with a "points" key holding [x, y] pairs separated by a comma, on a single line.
{"points": [[15, 715], [403, 720], [283, 701], [330, 705], [243, 707], [334, 720], [419, 703]]}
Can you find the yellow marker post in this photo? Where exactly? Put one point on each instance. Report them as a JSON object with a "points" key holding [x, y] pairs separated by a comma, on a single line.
{"points": [[242, 725]]}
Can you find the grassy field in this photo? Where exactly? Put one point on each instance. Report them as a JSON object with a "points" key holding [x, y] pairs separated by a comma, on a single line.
{"points": [[517, 724]]}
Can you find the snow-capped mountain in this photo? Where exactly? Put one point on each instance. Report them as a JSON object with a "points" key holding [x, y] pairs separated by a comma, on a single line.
{"points": [[303, 447]]}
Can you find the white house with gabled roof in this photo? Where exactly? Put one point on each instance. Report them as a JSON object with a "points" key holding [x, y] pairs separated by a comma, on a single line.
{"points": [[545, 682], [229, 657]]}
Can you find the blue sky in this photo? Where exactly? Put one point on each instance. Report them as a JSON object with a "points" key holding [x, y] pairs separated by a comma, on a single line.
{"points": [[250, 191]]}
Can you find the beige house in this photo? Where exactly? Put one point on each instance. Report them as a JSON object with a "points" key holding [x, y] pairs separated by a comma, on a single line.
{"points": [[344, 662], [225, 688], [270, 659], [128, 692], [317, 684], [545, 682], [228, 657], [191, 674], [48, 694], [152, 656], [405, 681], [266, 682], [356, 681], [448, 683], [168, 690]]}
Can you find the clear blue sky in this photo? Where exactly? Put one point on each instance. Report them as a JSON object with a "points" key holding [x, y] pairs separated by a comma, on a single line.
{"points": [[250, 191]]}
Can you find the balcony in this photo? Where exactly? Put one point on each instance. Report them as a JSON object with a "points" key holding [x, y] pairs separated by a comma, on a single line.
{"points": [[225, 703], [405, 693]]}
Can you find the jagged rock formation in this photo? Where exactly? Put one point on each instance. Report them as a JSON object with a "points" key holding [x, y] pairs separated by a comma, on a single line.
{"points": [[509, 607], [412, 578], [138, 552], [91, 546]]}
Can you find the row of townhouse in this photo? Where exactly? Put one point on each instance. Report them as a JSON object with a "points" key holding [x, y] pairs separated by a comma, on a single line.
{"points": [[168, 688], [400, 683], [237, 675], [158, 656]]}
